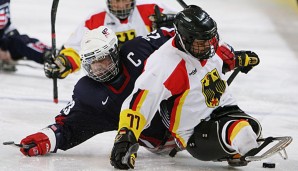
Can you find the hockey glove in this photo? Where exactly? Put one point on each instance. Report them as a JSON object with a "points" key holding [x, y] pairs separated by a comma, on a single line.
{"points": [[161, 20], [67, 61], [39, 144], [125, 150], [246, 60]]}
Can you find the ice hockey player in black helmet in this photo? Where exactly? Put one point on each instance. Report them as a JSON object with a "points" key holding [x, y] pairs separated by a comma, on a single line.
{"points": [[195, 27], [191, 94], [215, 137]]}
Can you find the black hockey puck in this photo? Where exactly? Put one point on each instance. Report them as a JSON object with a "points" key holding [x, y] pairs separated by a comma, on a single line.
{"points": [[269, 165]]}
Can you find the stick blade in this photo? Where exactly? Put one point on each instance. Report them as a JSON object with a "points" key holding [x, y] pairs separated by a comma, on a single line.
{"points": [[8, 143]]}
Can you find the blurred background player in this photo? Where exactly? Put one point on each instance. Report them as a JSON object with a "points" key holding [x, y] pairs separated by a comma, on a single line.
{"points": [[127, 18], [15, 46]]}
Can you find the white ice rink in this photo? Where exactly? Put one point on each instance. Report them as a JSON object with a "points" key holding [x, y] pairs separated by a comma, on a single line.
{"points": [[269, 92]]}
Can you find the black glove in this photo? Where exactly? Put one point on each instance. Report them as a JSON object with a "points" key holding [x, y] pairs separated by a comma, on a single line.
{"points": [[246, 60], [125, 150], [161, 20], [58, 68]]}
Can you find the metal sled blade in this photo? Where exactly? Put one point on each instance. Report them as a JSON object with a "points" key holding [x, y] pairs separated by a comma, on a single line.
{"points": [[279, 147]]}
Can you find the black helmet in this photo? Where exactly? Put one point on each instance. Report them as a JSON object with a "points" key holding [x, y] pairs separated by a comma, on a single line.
{"points": [[196, 32], [124, 11]]}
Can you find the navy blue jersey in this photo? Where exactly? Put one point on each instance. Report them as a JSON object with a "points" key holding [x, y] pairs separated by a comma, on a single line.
{"points": [[19, 45], [96, 106], [24, 47]]}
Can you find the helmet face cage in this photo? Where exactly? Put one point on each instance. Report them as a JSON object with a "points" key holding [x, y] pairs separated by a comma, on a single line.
{"points": [[102, 66], [198, 47], [121, 8], [196, 32]]}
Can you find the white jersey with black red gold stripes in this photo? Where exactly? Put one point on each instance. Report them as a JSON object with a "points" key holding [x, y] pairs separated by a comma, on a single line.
{"points": [[196, 87]]}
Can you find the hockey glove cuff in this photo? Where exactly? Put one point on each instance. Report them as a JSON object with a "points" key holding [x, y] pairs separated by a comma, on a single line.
{"points": [[132, 120]]}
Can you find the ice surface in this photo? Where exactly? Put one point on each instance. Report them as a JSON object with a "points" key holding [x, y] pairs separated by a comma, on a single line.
{"points": [[269, 92]]}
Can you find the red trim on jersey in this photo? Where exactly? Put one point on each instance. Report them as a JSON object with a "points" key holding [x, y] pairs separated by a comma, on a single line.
{"points": [[127, 78], [174, 42], [137, 99], [146, 10], [203, 62], [178, 81], [125, 21], [231, 129], [153, 141], [174, 112], [95, 20], [59, 119], [166, 33], [144, 65]]}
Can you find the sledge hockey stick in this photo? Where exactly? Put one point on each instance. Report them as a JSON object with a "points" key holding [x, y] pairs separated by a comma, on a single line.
{"points": [[253, 60], [53, 36], [27, 146], [233, 75], [182, 3]]}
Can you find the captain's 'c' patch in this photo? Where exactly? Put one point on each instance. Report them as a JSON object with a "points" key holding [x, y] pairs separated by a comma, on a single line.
{"points": [[212, 88]]}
